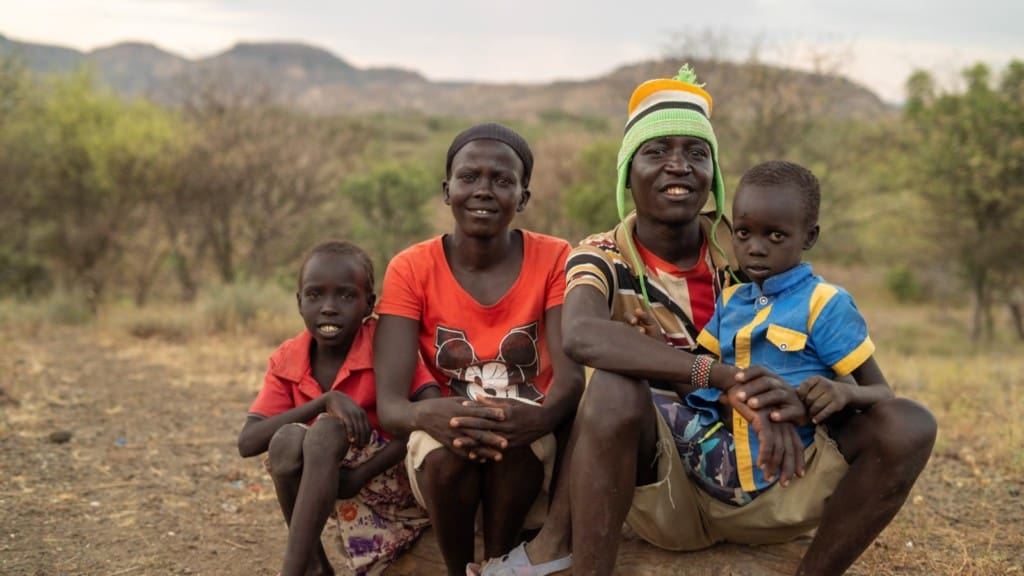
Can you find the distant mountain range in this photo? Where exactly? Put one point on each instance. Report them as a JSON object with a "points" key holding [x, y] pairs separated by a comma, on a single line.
{"points": [[315, 80]]}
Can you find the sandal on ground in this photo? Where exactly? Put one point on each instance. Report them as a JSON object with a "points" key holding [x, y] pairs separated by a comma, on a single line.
{"points": [[517, 563]]}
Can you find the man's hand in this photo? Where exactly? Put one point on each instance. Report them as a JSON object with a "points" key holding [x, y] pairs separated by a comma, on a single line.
{"points": [[761, 389], [352, 415], [823, 397], [780, 450], [644, 324]]}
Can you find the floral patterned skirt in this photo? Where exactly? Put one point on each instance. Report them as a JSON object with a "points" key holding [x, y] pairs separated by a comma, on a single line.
{"points": [[380, 522]]}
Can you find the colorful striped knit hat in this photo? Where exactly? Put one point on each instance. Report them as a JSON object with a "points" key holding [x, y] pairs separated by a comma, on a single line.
{"points": [[668, 107]]}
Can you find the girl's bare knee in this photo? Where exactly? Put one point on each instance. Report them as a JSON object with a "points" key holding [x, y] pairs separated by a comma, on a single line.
{"points": [[285, 450], [326, 441]]}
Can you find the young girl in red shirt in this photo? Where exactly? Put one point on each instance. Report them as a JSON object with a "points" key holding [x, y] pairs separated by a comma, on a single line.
{"points": [[316, 418]]}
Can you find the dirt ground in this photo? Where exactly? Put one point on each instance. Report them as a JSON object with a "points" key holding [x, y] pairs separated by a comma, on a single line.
{"points": [[117, 456]]}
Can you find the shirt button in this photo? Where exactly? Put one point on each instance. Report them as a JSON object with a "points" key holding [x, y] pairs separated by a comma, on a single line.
{"points": [[783, 346], [762, 300]]}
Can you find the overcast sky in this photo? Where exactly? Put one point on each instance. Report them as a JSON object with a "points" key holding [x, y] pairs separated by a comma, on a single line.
{"points": [[876, 42]]}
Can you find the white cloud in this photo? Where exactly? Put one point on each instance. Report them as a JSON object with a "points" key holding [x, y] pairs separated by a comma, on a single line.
{"points": [[877, 42]]}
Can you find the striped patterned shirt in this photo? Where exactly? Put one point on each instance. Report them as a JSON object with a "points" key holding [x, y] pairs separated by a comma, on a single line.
{"points": [[681, 301]]}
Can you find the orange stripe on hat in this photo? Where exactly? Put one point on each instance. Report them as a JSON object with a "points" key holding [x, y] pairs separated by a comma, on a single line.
{"points": [[652, 87]]}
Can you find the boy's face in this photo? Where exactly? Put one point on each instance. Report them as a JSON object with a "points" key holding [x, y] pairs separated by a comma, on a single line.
{"points": [[769, 230], [333, 298], [671, 178], [485, 189]]}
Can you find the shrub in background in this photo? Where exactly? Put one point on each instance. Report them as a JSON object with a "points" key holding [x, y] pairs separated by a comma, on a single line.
{"points": [[905, 286]]}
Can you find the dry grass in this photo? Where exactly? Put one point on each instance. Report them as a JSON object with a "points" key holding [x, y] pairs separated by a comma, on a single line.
{"points": [[965, 516], [262, 310], [971, 387]]}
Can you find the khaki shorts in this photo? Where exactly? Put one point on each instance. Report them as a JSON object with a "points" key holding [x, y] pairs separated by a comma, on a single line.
{"points": [[675, 514], [544, 448]]}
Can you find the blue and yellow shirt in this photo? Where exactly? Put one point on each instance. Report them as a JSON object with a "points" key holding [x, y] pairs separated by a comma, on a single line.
{"points": [[795, 325]]}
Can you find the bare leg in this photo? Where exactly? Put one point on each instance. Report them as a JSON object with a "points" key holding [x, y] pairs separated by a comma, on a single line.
{"points": [[615, 447], [285, 454], [451, 489], [887, 447], [555, 538], [324, 446], [509, 489]]}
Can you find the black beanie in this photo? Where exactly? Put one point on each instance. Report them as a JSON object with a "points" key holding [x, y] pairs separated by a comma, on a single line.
{"points": [[493, 132]]}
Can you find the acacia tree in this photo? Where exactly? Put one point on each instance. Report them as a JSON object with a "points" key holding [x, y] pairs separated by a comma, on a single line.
{"points": [[969, 165], [255, 180], [21, 104], [89, 179], [388, 208]]}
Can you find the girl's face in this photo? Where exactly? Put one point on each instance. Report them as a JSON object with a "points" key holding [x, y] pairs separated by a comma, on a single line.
{"points": [[770, 231], [334, 298], [485, 189], [671, 178]]}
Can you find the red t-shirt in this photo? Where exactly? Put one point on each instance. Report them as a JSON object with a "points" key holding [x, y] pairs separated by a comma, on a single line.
{"points": [[289, 380], [499, 350], [697, 282]]}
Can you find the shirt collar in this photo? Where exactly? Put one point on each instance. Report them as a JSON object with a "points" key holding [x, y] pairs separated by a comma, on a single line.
{"points": [[294, 362], [360, 355], [294, 358], [781, 282], [625, 232]]}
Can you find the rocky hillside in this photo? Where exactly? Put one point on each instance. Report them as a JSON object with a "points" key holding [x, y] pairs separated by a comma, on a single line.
{"points": [[315, 80]]}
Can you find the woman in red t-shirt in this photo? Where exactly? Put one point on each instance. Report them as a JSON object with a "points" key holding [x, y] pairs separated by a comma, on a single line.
{"points": [[483, 307]]}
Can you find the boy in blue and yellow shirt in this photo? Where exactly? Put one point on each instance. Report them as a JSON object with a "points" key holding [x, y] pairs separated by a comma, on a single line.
{"points": [[806, 331]]}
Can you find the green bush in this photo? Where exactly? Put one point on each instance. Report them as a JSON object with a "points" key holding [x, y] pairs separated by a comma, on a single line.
{"points": [[904, 285], [21, 274]]}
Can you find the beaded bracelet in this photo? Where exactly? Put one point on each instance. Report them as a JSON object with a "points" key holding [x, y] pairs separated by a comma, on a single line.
{"points": [[700, 372]]}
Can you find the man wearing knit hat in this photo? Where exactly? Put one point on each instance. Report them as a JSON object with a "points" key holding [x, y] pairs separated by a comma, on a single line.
{"points": [[661, 270]]}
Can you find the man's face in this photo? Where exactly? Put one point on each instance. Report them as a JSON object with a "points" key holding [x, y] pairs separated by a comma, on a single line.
{"points": [[671, 178]]}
